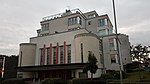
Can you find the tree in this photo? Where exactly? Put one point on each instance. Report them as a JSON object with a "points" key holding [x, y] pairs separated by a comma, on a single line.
{"points": [[139, 52], [91, 64]]}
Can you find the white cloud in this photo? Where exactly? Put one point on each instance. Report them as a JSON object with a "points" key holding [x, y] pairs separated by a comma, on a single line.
{"points": [[20, 19]]}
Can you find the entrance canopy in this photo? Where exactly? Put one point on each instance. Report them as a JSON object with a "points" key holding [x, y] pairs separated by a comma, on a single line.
{"points": [[72, 66]]}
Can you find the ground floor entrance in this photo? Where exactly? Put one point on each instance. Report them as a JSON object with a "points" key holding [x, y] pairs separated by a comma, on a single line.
{"points": [[63, 74], [63, 71]]}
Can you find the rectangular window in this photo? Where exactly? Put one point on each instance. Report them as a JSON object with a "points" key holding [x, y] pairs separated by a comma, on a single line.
{"points": [[1, 62], [112, 44], [113, 58], [91, 16], [79, 20], [45, 27], [89, 22], [81, 52], [73, 74], [69, 53], [48, 55], [103, 32], [54, 55], [69, 21], [100, 45], [102, 22], [74, 20], [42, 57], [61, 55]]}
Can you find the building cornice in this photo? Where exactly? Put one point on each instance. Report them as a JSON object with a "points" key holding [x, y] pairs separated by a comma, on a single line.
{"points": [[61, 33], [86, 34]]}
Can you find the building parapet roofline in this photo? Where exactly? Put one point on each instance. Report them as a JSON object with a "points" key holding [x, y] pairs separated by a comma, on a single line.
{"points": [[68, 12], [112, 35]]}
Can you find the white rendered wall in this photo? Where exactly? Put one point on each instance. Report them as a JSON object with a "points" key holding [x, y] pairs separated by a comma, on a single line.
{"points": [[28, 54], [67, 37], [90, 43], [124, 48]]}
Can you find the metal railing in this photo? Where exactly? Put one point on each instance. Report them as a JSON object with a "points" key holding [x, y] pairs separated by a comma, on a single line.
{"points": [[68, 12]]}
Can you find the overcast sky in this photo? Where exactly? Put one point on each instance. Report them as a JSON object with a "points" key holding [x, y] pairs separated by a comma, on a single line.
{"points": [[19, 19]]}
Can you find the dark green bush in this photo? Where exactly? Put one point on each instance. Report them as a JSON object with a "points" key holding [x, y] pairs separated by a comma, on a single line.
{"points": [[54, 81], [130, 67], [106, 76], [14, 81], [112, 74]]}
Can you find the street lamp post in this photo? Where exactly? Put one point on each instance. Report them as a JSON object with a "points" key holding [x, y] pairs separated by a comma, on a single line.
{"points": [[117, 41]]}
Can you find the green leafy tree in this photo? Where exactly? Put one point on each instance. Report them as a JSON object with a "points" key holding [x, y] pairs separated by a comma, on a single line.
{"points": [[139, 52], [91, 64]]}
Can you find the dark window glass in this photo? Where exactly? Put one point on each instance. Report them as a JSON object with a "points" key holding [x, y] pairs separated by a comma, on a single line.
{"points": [[113, 58], [69, 53], [74, 20], [81, 52], [54, 55], [48, 55], [61, 55], [89, 23]]}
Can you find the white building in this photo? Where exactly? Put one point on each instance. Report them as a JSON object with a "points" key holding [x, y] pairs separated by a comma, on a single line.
{"points": [[61, 46], [110, 51]]}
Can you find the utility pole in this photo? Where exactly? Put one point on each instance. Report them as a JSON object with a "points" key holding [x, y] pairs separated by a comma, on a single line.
{"points": [[117, 41]]}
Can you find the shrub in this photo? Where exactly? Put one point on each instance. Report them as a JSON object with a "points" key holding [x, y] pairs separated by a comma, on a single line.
{"points": [[130, 67], [112, 74], [106, 76]]}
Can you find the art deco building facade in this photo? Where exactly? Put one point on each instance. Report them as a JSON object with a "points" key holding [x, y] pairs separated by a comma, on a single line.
{"points": [[61, 46]]}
